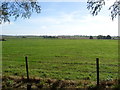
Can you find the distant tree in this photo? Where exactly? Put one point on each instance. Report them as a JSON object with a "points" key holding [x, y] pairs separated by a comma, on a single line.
{"points": [[99, 37], [103, 37], [91, 37], [108, 37], [24, 37], [17, 8], [95, 7], [50, 37]]}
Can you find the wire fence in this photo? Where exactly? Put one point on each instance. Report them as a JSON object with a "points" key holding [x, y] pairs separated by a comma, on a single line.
{"points": [[97, 65], [90, 64]]}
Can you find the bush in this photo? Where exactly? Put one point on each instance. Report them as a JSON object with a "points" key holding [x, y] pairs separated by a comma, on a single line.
{"points": [[91, 37]]}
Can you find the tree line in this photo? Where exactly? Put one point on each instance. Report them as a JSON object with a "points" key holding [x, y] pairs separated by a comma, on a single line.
{"points": [[4, 37], [75, 37], [101, 37]]}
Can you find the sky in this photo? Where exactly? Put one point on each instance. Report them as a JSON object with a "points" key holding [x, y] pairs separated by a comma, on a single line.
{"points": [[64, 18]]}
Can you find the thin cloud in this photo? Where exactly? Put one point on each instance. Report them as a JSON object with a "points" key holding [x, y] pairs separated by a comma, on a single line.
{"points": [[61, 22], [88, 25]]}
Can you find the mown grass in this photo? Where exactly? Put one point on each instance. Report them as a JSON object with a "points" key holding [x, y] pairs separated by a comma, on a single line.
{"points": [[60, 58]]}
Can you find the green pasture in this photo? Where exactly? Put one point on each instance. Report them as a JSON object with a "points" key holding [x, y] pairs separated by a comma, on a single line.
{"points": [[72, 59]]}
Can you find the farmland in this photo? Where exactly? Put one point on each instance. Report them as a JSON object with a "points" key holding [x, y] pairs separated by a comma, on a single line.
{"points": [[65, 59]]}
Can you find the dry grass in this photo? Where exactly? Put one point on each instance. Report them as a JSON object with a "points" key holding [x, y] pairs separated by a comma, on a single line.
{"points": [[12, 82]]}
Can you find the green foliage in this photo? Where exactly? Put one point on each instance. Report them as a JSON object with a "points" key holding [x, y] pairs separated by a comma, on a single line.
{"points": [[91, 37], [108, 37], [95, 7], [17, 9]]}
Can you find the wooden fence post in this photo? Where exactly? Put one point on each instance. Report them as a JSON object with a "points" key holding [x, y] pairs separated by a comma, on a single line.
{"points": [[27, 68], [97, 70], [28, 85]]}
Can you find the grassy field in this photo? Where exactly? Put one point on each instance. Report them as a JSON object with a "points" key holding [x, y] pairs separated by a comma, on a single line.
{"points": [[60, 58]]}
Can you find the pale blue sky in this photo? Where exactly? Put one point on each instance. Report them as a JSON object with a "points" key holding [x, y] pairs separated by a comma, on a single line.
{"points": [[64, 18]]}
